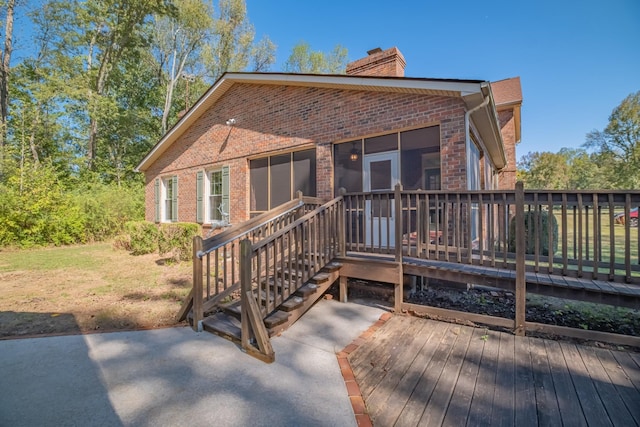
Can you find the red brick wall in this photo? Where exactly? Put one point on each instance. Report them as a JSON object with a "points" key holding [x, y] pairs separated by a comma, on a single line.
{"points": [[507, 177], [388, 63], [271, 118]]}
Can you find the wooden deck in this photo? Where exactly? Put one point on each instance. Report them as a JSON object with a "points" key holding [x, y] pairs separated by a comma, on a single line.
{"points": [[415, 371]]}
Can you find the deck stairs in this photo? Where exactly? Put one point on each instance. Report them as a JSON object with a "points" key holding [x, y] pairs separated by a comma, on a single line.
{"points": [[225, 320], [255, 280]]}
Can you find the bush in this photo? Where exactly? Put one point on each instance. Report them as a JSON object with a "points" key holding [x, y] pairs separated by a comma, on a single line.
{"points": [[106, 208], [177, 239], [531, 220], [142, 237], [36, 211]]}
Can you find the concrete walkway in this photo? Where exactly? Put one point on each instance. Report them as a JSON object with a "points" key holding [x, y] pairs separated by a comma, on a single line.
{"points": [[174, 377]]}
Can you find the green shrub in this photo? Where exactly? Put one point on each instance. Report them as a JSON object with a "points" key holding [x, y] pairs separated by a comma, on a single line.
{"points": [[531, 221], [177, 239], [107, 207], [142, 237], [36, 210]]}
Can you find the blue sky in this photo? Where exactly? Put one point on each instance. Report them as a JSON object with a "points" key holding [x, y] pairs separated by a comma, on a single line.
{"points": [[577, 59]]}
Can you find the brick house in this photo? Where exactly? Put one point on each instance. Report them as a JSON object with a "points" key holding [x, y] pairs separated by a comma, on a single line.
{"points": [[254, 139]]}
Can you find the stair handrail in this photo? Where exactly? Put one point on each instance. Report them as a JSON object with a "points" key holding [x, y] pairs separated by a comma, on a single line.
{"points": [[295, 223], [203, 247], [240, 230]]}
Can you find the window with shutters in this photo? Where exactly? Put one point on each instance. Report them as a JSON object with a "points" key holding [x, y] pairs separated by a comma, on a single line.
{"points": [[167, 199]]}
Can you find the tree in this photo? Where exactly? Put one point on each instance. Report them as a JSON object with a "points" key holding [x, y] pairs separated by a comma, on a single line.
{"points": [[4, 75], [305, 60], [544, 170], [618, 145], [177, 42], [231, 47]]}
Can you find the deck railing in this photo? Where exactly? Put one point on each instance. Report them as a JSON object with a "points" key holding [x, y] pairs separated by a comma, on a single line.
{"points": [[216, 273], [577, 233], [275, 267]]}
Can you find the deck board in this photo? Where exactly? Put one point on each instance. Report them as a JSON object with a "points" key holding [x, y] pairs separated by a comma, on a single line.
{"points": [[416, 371]]}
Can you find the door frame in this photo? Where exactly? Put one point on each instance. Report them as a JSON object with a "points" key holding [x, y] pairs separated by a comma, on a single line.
{"points": [[379, 235]]}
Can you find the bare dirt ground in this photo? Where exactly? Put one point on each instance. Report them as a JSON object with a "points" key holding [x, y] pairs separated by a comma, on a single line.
{"points": [[87, 288]]}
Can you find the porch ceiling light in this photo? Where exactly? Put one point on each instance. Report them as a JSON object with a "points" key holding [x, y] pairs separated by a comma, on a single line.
{"points": [[354, 153]]}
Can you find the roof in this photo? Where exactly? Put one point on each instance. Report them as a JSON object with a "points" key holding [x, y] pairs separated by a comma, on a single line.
{"points": [[507, 94], [507, 91], [473, 92]]}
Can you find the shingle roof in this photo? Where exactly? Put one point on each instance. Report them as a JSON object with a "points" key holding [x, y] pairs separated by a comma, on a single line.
{"points": [[507, 91]]}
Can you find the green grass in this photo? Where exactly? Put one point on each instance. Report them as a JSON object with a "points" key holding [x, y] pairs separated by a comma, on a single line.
{"points": [[587, 245], [78, 257]]}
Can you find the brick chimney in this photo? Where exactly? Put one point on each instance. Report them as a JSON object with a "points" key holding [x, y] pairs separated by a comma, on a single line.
{"points": [[378, 62]]}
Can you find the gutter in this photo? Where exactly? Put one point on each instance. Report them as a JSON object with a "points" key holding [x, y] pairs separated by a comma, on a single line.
{"points": [[467, 132]]}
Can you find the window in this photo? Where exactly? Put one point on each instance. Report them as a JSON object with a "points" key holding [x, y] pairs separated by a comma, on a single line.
{"points": [[276, 179], [213, 196], [419, 159], [166, 199], [216, 208]]}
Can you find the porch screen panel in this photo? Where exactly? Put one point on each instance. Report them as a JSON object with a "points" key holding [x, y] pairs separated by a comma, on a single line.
{"points": [[381, 144], [259, 174], [420, 158], [347, 172], [280, 179], [304, 172]]}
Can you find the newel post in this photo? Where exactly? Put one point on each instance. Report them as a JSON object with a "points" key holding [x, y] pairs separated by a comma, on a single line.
{"points": [[198, 313], [245, 287], [398, 290], [521, 284], [342, 225]]}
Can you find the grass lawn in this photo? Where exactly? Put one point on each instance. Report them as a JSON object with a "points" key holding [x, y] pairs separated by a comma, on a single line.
{"points": [[86, 288]]}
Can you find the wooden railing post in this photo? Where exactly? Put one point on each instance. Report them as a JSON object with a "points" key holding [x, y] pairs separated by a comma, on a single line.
{"points": [[252, 326], [342, 227], [521, 284], [398, 290], [198, 313], [245, 287]]}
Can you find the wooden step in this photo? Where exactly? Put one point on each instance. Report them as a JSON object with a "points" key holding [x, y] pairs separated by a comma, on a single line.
{"points": [[233, 308], [275, 283], [332, 266], [319, 278], [276, 318], [307, 290], [291, 304], [223, 325], [293, 274]]}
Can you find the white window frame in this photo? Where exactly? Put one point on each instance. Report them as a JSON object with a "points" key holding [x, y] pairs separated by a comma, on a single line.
{"points": [[166, 215], [224, 219]]}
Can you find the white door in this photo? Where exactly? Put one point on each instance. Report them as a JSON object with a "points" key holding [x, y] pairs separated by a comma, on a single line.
{"points": [[380, 174]]}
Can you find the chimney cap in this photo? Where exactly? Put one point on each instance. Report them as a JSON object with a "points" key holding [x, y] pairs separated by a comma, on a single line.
{"points": [[374, 50]]}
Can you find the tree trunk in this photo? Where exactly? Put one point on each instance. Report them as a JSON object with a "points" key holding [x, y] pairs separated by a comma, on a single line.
{"points": [[4, 76]]}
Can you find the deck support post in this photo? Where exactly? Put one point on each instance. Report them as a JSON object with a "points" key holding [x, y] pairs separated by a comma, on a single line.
{"points": [[398, 289], [198, 313], [521, 284], [343, 288], [252, 326], [245, 286]]}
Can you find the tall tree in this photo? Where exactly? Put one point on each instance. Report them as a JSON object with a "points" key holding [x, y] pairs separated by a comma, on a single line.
{"points": [[305, 60], [232, 46], [618, 145], [177, 41], [5, 64], [544, 170], [112, 29]]}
